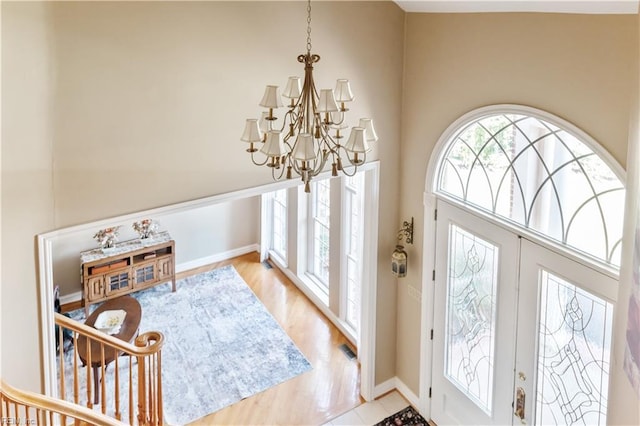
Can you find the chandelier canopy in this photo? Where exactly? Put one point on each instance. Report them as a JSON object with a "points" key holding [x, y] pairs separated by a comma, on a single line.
{"points": [[311, 129]]}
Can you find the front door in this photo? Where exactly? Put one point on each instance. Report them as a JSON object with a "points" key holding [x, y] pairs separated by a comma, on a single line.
{"points": [[521, 333]]}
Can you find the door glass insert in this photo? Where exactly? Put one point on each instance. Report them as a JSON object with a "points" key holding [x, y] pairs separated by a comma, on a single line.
{"points": [[574, 343], [471, 315]]}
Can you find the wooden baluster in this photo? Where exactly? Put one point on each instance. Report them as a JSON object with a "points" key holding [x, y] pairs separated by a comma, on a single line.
{"points": [[61, 355], [51, 418], [142, 409], [38, 417], [27, 418], [159, 396], [76, 390], [130, 389], [89, 387], [152, 389], [150, 393], [117, 389], [103, 380]]}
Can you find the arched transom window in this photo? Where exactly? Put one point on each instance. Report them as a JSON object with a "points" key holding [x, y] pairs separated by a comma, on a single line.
{"points": [[540, 173]]}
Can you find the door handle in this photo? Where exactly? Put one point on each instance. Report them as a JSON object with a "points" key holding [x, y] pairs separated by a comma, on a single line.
{"points": [[519, 409]]}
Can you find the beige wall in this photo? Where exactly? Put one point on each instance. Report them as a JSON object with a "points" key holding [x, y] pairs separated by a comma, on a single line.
{"points": [[624, 402], [146, 109], [579, 67], [27, 192], [199, 233]]}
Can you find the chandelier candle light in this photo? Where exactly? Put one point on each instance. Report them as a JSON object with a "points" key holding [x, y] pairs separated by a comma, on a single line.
{"points": [[304, 142]]}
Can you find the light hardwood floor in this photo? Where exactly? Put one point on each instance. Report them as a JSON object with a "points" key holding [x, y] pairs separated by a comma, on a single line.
{"points": [[329, 390]]}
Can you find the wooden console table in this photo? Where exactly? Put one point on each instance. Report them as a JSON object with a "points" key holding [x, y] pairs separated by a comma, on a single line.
{"points": [[127, 267]]}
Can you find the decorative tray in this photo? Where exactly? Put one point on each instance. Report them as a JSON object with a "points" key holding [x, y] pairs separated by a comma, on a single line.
{"points": [[109, 322]]}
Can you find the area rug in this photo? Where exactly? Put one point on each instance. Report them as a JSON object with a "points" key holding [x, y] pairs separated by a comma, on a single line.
{"points": [[408, 416], [221, 344]]}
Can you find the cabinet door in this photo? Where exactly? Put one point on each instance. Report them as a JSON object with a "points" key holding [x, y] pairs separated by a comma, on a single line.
{"points": [[165, 268], [118, 282], [145, 274], [95, 288]]}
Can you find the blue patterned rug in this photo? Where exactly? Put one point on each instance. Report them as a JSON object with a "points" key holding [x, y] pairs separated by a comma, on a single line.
{"points": [[221, 344]]}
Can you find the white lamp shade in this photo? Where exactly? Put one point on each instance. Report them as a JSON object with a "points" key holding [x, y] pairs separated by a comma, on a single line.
{"points": [[293, 88], [271, 98], [337, 118], [304, 149], [265, 125], [357, 141], [327, 102], [343, 91], [367, 123], [273, 146], [252, 132]]}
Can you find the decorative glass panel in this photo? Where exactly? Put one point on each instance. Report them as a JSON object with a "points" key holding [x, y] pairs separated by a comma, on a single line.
{"points": [[539, 176], [573, 355], [471, 315]]}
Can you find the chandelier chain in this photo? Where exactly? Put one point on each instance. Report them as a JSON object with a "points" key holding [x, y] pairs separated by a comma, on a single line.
{"points": [[309, 26]]}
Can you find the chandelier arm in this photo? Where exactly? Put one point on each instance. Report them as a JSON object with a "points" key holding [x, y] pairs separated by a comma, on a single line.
{"points": [[258, 163], [296, 167], [355, 169], [321, 159], [355, 165], [293, 120], [273, 172]]}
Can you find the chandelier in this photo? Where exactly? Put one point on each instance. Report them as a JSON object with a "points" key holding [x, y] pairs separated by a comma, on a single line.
{"points": [[310, 133]]}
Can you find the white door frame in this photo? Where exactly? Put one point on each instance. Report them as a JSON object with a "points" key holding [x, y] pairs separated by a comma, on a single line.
{"points": [[429, 226]]}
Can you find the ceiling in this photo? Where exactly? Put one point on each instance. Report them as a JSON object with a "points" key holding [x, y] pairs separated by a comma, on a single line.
{"points": [[550, 6]]}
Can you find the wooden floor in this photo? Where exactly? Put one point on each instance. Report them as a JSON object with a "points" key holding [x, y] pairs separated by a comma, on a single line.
{"points": [[330, 389], [313, 398]]}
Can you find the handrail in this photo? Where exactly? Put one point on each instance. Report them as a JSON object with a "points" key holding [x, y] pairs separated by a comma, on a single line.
{"points": [[155, 337], [42, 402], [143, 401]]}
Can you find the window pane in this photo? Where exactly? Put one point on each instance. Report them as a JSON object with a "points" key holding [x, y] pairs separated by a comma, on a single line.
{"points": [[320, 208], [539, 176], [279, 225], [353, 226]]}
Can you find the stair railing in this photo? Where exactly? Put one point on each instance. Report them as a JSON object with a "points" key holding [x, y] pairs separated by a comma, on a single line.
{"points": [[130, 392], [18, 407]]}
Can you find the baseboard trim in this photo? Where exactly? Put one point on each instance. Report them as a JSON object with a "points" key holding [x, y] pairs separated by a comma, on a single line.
{"points": [[218, 257], [70, 298], [185, 266], [408, 393], [384, 387], [401, 387]]}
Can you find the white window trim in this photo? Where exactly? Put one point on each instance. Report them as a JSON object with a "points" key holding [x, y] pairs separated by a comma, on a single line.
{"points": [[297, 259]]}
